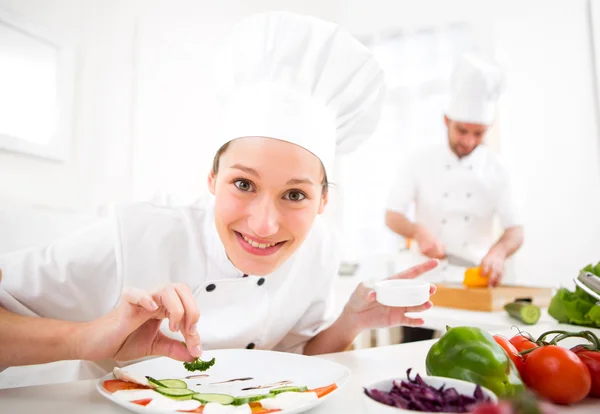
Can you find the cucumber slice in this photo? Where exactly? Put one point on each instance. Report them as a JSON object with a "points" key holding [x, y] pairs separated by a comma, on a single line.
{"points": [[173, 383], [250, 398], [223, 399], [175, 392], [182, 398], [288, 388], [524, 311], [156, 383]]}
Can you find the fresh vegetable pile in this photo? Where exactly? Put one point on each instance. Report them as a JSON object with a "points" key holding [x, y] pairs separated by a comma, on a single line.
{"points": [[505, 366], [415, 394], [561, 375], [578, 307]]}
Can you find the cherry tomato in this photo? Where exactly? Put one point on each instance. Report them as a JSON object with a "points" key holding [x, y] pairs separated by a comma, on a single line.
{"points": [[512, 352], [118, 385], [557, 374], [591, 359], [522, 343], [144, 401]]}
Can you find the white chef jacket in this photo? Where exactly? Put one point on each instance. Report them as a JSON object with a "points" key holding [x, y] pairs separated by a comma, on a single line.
{"points": [[81, 277], [456, 199]]}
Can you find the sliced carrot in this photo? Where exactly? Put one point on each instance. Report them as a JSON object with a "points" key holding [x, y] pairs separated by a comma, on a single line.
{"points": [[119, 385], [323, 391], [257, 408], [144, 401]]}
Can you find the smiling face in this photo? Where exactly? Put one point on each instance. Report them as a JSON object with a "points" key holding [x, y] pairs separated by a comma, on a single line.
{"points": [[267, 195], [463, 137]]}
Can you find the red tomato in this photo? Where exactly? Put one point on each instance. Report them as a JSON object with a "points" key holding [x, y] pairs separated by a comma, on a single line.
{"points": [[119, 385], [591, 359], [144, 401], [522, 343], [557, 374], [512, 352], [323, 391]]}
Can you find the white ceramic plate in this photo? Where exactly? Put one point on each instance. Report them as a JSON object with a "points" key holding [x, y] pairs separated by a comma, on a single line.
{"points": [[264, 367], [462, 387]]}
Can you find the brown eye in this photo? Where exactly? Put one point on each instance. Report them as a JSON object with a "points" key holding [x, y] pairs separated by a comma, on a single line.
{"points": [[243, 185], [294, 196]]}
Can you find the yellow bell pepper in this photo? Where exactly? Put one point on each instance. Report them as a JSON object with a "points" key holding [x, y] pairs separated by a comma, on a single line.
{"points": [[474, 277]]}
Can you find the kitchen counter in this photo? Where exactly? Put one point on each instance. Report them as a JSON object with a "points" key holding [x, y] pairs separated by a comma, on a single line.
{"points": [[367, 365]]}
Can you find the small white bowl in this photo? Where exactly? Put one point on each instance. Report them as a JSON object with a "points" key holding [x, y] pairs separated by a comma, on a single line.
{"points": [[402, 292], [462, 387]]}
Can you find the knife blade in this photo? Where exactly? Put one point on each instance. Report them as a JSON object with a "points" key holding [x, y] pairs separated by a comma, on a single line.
{"points": [[456, 260]]}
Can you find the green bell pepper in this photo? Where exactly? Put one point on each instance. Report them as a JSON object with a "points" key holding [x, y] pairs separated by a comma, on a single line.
{"points": [[472, 354]]}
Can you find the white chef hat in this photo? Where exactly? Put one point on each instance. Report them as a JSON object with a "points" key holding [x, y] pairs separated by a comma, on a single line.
{"points": [[302, 80], [476, 85]]}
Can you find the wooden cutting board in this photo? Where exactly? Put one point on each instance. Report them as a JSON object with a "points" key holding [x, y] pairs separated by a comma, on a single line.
{"points": [[488, 299]]}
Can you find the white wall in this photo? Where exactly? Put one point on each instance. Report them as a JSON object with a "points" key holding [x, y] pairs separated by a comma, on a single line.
{"points": [[550, 135]]}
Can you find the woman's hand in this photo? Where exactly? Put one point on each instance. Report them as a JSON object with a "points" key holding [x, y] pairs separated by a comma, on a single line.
{"points": [[366, 313], [132, 329]]}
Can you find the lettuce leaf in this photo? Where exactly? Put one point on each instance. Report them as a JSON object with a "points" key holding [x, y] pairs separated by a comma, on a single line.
{"points": [[576, 308]]}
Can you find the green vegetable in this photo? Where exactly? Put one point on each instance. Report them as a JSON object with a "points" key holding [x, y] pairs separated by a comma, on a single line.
{"points": [[157, 383], [472, 354], [596, 270], [576, 308], [171, 383], [288, 388], [223, 399], [524, 311], [250, 398], [199, 365], [177, 393], [593, 269]]}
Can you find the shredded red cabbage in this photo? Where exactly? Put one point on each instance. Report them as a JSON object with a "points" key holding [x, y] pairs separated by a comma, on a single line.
{"points": [[416, 395]]}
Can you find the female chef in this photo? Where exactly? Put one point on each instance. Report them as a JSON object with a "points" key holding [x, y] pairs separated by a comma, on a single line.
{"points": [[253, 265]]}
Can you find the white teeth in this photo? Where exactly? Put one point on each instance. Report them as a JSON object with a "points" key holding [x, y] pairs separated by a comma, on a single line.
{"points": [[257, 245]]}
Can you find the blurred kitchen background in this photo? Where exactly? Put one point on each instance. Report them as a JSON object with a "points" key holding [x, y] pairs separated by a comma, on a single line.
{"points": [[110, 101]]}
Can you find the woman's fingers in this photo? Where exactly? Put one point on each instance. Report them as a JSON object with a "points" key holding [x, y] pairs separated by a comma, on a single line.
{"points": [[192, 313], [183, 314], [169, 298], [419, 308], [189, 326], [165, 346], [140, 298], [417, 270]]}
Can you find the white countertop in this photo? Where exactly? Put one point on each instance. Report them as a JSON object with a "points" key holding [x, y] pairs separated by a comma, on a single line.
{"points": [[367, 365]]}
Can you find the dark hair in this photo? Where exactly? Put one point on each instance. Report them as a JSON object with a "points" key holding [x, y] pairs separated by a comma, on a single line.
{"points": [[221, 151]]}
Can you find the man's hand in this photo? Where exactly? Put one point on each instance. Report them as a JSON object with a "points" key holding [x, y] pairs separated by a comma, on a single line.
{"points": [[428, 244], [492, 266]]}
